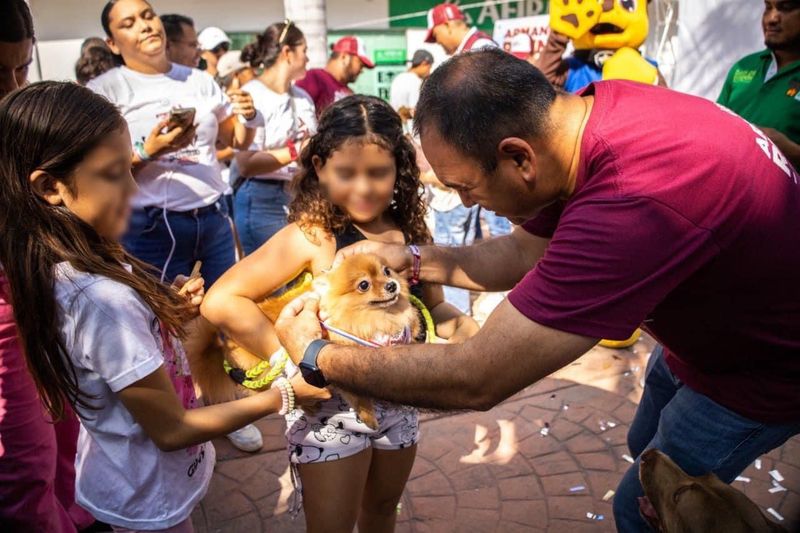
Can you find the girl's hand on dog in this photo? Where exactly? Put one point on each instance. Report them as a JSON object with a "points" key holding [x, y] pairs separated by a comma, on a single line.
{"points": [[396, 256], [192, 288], [307, 395]]}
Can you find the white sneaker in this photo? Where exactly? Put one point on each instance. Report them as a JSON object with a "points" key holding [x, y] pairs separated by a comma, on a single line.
{"points": [[247, 439]]}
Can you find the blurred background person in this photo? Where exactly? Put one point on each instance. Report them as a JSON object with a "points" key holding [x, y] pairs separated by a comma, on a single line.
{"points": [[96, 59], [179, 216], [183, 47], [327, 85], [447, 26], [262, 193], [404, 92], [213, 44], [522, 48]]}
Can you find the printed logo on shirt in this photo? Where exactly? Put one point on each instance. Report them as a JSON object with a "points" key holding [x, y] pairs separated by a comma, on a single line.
{"points": [[197, 461], [794, 89], [744, 76]]}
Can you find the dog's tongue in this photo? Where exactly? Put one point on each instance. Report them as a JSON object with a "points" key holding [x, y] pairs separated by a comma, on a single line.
{"points": [[647, 509]]}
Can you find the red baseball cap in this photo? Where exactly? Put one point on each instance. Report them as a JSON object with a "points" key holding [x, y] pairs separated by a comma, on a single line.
{"points": [[441, 14], [353, 45]]}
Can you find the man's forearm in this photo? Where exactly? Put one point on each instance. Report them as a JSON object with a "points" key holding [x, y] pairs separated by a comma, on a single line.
{"points": [[493, 265], [417, 375]]}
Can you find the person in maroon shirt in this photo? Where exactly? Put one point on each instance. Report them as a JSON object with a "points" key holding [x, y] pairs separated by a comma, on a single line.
{"points": [[638, 205], [327, 85]]}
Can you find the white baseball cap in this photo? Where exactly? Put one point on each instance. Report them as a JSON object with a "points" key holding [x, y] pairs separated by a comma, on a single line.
{"points": [[212, 37], [230, 62]]}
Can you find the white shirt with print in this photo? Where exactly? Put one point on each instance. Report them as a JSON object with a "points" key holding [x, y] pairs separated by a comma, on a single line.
{"points": [[113, 340], [182, 180], [286, 116]]}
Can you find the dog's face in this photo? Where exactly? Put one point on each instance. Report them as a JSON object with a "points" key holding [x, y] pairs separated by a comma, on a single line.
{"points": [[678, 503], [362, 283]]}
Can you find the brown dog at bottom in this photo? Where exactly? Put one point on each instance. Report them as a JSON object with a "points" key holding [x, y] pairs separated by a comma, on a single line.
{"points": [[676, 502]]}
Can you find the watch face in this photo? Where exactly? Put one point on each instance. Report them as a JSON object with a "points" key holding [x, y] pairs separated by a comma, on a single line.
{"points": [[312, 375]]}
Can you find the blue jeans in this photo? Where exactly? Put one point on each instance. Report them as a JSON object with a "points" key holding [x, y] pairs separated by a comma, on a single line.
{"points": [[697, 433], [498, 226], [456, 227], [260, 208], [198, 235]]}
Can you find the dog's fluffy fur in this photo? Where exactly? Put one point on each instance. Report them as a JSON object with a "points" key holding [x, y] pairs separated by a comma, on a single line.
{"points": [[362, 296]]}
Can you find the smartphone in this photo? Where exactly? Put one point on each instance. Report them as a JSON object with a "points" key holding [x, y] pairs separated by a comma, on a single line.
{"points": [[181, 117]]}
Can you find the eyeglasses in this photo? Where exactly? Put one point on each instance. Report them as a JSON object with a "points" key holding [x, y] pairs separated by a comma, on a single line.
{"points": [[286, 25]]}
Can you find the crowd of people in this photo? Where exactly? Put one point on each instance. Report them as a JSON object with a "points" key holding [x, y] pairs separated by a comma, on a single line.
{"points": [[174, 152]]}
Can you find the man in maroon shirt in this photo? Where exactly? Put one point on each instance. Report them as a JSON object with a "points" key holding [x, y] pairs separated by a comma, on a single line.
{"points": [[329, 84], [638, 205]]}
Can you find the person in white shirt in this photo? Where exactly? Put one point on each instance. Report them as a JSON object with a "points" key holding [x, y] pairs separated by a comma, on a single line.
{"points": [[262, 197], [213, 44], [404, 92], [101, 333], [178, 215]]}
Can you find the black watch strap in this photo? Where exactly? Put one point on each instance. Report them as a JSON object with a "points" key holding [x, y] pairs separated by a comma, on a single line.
{"points": [[308, 366]]}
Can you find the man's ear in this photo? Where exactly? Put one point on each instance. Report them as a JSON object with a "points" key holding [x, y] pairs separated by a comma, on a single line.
{"points": [[520, 152], [47, 187]]}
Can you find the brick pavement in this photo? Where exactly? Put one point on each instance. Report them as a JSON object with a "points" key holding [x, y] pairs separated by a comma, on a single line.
{"points": [[494, 471]]}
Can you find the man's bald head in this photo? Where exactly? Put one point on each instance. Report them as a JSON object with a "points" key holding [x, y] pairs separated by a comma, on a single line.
{"points": [[476, 99]]}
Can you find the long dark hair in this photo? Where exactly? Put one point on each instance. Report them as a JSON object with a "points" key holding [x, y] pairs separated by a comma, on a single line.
{"points": [[55, 125], [265, 50], [16, 23], [373, 120]]}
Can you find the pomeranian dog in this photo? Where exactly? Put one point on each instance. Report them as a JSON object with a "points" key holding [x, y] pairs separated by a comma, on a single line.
{"points": [[361, 297]]}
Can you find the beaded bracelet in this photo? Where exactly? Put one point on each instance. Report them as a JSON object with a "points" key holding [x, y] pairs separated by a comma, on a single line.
{"points": [[287, 395], [416, 265]]}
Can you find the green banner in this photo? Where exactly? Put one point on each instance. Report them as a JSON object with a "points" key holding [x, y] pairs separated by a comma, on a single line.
{"points": [[483, 14]]}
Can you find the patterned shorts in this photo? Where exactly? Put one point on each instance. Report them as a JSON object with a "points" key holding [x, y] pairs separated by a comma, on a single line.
{"points": [[335, 431]]}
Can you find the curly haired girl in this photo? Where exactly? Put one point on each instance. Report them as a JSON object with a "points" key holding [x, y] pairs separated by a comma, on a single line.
{"points": [[358, 180]]}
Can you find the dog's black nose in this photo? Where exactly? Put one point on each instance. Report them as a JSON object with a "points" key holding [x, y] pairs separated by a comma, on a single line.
{"points": [[391, 287]]}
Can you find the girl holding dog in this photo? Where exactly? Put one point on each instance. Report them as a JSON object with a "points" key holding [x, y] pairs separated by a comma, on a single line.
{"points": [[358, 180], [98, 330]]}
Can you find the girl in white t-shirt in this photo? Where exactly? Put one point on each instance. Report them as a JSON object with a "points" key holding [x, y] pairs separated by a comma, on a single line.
{"points": [[179, 213], [99, 331], [262, 199]]}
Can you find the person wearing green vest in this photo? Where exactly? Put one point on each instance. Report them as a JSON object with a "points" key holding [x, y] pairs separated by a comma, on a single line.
{"points": [[764, 88]]}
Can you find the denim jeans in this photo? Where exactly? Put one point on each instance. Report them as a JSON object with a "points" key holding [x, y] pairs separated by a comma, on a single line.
{"points": [[456, 227], [260, 208], [172, 241], [697, 433], [498, 226]]}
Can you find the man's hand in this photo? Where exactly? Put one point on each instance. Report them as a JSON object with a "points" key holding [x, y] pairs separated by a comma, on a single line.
{"points": [[298, 325], [397, 256]]}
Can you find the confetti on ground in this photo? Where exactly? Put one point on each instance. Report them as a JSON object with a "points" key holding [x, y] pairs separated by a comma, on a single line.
{"points": [[545, 430], [743, 479], [399, 507], [577, 488], [608, 495], [628, 458], [566, 406], [776, 475], [777, 488], [758, 464], [602, 425], [626, 373], [592, 516], [775, 513], [611, 424]]}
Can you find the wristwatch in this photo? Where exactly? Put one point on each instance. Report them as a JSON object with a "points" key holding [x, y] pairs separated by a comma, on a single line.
{"points": [[308, 366]]}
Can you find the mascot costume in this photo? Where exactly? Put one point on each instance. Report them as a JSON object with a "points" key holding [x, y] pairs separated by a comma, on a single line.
{"points": [[606, 35]]}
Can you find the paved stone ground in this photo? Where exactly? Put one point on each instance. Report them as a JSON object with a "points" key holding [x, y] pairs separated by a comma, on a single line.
{"points": [[494, 471]]}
